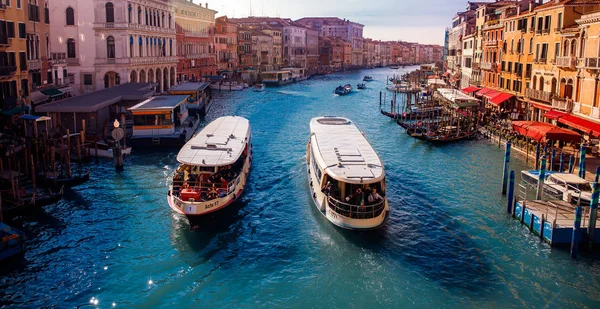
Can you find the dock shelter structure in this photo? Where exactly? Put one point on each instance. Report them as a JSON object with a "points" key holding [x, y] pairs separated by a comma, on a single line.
{"points": [[199, 96], [98, 109]]}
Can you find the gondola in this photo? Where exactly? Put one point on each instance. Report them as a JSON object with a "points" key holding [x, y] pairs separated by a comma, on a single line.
{"points": [[31, 201], [76, 179]]}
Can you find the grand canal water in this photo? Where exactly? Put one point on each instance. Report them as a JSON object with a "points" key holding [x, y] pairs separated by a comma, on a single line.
{"points": [[114, 242]]}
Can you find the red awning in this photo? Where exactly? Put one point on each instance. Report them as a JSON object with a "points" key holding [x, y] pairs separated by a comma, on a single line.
{"points": [[483, 91], [501, 98], [554, 114], [491, 94], [470, 89], [586, 126], [545, 131], [541, 106]]}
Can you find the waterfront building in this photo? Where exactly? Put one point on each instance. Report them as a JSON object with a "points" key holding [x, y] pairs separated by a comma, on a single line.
{"points": [[587, 104], [262, 51], [276, 51], [195, 27], [226, 45], [492, 35], [467, 78], [14, 51], [245, 55], [368, 52], [386, 53], [312, 49], [127, 41]]}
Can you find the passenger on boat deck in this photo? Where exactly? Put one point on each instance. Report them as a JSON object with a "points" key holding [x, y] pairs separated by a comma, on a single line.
{"points": [[327, 188], [374, 196], [355, 197]]}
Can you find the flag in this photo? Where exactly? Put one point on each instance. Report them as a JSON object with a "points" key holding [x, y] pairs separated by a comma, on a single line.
{"points": [[362, 201]]}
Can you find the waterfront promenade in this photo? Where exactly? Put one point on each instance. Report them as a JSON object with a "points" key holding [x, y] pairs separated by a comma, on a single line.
{"points": [[448, 243]]}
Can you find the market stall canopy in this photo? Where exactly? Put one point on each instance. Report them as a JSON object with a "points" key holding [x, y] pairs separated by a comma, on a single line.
{"points": [[589, 127], [458, 99], [541, 131], [501, 98], [554, 114], [483, 91]]}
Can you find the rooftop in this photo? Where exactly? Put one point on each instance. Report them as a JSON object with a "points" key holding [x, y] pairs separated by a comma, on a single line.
{"points": [[220, 143], [345, 153], [92, 102], [163, 102]]}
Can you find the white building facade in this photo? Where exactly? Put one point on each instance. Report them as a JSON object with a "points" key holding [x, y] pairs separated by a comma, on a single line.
{"points": [[128, 41]]}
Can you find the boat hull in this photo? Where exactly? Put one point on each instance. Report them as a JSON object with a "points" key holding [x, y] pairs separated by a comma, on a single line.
{"points": [[320, 201], [194, 210], [278, 83]]}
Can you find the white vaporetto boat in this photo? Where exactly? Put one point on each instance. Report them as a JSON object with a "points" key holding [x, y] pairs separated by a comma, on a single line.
{"points": [[346, 176], [214, 168]]}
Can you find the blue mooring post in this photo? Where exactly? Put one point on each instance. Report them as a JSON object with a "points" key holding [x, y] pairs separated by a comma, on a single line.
{"points": [[541, 178], [593, 212], [597, 178], [582, 161], [505, 170], [537, 156], [562, 159], [511, 192], [552, 159], [571, 163], [575, 235]]}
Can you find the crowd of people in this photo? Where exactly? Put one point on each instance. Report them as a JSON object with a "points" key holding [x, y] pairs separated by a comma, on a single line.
{"points": [[361, 196]]}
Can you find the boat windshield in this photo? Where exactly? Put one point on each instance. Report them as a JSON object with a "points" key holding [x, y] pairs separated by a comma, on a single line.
{"points": [[584, 187]]}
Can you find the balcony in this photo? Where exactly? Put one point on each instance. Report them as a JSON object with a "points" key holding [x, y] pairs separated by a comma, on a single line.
{"points": [[566, 62], [546, 31], [539, 95], [562, 104], [531, 29], [7, 71], [538, 31], [58, 58], [197, 56], [73, 61], [35, 64], [149, 28], [540, 61], [490, 66], [491, 43], [196, 34], [591, 63]]}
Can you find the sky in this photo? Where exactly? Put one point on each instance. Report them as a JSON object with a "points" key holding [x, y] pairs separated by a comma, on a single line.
{"points": [[421, 21]]}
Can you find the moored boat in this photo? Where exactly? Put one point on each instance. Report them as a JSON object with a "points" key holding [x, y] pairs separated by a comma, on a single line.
{"points": [[228, 86], [277, 78], [343, 90], [346, 176], [394, 67], [361, 86], [12, 241], [259, 87], [367, 78], [213, 170]]}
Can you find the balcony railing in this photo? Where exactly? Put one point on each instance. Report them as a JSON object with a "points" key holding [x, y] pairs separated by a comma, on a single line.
{"points": [[197, 56], [73, 61], [57, 58], [566, 62], [538, 31], [6, 71], [562, 104], [133, 26], [531, 29], [35, 64], [546, 31], [491, 43], [540, 60], [591, 63], [490, 66], [539, 95]]}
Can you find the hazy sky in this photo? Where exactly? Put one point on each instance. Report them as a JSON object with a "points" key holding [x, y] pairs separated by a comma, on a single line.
{"points": [[420, 21]]}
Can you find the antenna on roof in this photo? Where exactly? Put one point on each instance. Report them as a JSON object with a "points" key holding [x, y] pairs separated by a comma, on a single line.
{"points": [[250, 8]]}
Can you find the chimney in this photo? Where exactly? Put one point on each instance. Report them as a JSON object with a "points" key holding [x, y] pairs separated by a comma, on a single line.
{"points": [[530, 5], [207, 5]]}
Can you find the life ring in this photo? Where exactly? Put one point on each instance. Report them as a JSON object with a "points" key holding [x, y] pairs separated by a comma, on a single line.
{"points": [[212, 192]]}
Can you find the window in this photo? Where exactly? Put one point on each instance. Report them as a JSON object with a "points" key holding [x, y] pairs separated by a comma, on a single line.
{"points": [[7, 3], [531, 46], [71, 48], [34, 12], [87, 79], [71, 77], [70, 17], [3, 36], [18, 4], [10, 29], [544, 51], [110, 47], [23, 61], [559, 26], [49, 76], [548, 22], [46, 14], [110, 12], [509, 67], [22, 32], [556, 50]]}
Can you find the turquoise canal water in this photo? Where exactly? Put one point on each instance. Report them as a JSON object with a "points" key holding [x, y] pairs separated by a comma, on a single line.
{"points": [[448, 243]]}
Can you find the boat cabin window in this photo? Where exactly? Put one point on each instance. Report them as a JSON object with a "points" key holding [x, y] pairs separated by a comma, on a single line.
{"points": [[152, 120], [581, 186]]}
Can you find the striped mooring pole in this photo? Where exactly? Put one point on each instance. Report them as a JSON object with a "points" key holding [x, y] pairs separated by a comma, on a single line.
{"points": [[562, 159], [582, 161], [593, 212], [541, 178], [571, 163], [537, 156], [511, 192], [597, 178], [575, 234], [505, 170], [552, 159]]}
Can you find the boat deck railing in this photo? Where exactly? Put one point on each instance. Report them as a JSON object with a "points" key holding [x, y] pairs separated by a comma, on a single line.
{"points": [[356, 211], [207, 190]]}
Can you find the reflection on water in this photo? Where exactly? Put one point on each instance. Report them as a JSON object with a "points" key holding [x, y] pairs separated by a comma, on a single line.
{"points": [[448, 242]]}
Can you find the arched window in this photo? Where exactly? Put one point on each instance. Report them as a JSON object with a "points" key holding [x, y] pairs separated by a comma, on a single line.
{"points": [[129, 9], [139, 19], [110, 12], [70, 16], [541, 83], [512, 46], [141, 47], [573, 48], [110, 47], [163, 20], [71, 48], [531, 46], [131, 46]]}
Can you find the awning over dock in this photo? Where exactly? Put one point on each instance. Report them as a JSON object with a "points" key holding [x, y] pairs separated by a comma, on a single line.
{"points": [[189, 87], [159, 103], [541, 131], [92, 102]]}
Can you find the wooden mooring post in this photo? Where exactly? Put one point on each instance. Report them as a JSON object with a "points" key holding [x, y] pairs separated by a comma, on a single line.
{"points": [[582, 161], [575, 234], [562, 159], [537, 156], [506, 164], [571, 163], [511, 192], [542, 176], [593, 212]]}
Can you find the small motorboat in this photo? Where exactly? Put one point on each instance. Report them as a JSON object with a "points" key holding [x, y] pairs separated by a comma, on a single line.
{"points": [[343, 90], [62, 180], [394, 67], [12, 241], [259, 87], [361, 86], [367, 78]]}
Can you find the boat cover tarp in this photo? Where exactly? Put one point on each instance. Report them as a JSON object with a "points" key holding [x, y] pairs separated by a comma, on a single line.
{"points": [[541, 131]]}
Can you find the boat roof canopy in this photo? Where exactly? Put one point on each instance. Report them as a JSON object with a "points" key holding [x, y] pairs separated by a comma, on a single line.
{"points": [[189, 87], [344, 152], [220, 143], [569, 178], [159, 103]]}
